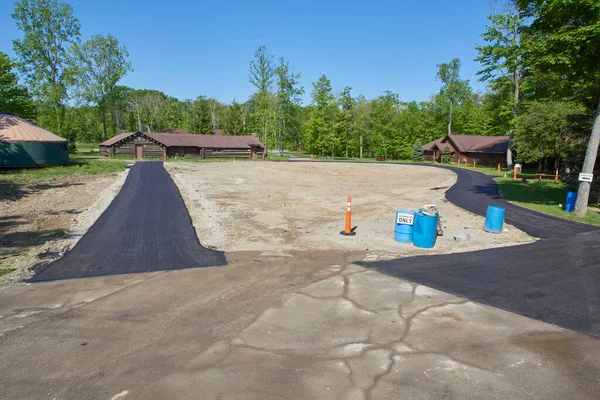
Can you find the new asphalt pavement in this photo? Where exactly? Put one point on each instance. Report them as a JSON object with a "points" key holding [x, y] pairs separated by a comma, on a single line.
{"points": [[555, 280], [146, 228]]}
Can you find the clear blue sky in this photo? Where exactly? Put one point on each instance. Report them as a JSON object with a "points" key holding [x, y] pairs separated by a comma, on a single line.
{"points": [[186, 48]]}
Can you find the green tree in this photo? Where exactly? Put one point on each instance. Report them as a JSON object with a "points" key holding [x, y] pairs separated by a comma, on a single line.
{"points": [[385, 140], [543, 129], [447, 155], [564, 39], [362, 118], [48, 27], [502, 60], [100, 63], [417, 152], [14, 98], [288, 100], [262, 75], [345, 123], [454, 90], [320, 135], [233, 123], [201, 118]]}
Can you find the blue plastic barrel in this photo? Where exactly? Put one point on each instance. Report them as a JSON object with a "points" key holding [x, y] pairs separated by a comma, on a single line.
{"points": [[404, 229], [571, 200], [425, 230], [494, 219]]}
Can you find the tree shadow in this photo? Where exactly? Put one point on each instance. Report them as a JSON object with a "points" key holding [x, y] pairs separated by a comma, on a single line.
{"points": [[6, 222], [13, 191], [20, 240], [488, 189]]}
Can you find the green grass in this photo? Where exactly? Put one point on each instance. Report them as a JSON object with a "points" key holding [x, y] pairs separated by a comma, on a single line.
{"points": [[87, 146], [77, 165], [544, 196], [5, 271]]}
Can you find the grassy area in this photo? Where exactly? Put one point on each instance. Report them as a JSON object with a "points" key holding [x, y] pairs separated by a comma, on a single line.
{"points": [[78, 165], [87, 146], [544, 196], [4, 271]]}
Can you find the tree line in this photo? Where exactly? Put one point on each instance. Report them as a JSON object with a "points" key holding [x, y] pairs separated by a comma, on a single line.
{"points": [[539, 60]]}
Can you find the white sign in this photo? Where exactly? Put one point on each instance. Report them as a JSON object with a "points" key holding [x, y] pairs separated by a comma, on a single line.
{"points": [[586, 177], [406, 219]]}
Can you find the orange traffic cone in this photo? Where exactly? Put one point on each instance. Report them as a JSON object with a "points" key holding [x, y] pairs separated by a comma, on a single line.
{"points": [[348, 231]]}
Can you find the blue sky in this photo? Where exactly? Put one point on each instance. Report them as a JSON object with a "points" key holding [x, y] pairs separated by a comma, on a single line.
{"points": [[186, 48]]}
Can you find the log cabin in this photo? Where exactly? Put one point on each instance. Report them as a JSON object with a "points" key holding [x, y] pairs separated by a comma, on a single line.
{"points": [[179, 143]]}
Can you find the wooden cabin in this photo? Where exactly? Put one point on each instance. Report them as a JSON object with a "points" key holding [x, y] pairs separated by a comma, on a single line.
{"points": [[175, 143], [466, 149]]}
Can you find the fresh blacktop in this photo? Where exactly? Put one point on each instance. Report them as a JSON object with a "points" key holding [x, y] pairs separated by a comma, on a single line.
{"points": [[299, 325]]}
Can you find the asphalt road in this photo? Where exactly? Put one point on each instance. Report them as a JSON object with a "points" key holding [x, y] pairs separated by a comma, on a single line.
{"points": [[555, 280], [146, 228], [475, 191]]}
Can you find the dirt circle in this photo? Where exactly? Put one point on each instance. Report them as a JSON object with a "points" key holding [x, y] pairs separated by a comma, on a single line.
{"points": [[283, 207]]}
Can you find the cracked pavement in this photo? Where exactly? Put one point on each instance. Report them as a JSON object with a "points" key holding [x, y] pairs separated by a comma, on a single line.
{"points": [[306, 326]]}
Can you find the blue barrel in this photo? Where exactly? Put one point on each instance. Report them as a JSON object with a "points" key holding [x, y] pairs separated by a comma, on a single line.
{"points": [[571, 200], [404, 226], [425, 230], [494, 219]]}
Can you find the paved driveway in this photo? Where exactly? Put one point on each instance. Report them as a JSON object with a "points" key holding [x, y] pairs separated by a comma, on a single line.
{"points": [[146, 228], [556, 280]]}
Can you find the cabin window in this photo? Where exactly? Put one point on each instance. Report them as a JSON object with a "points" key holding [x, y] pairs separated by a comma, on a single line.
{"points": [[492, 158], [476, 157]]}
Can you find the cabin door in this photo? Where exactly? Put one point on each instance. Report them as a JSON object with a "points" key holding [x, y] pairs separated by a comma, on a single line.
{"points": [[138, 152]]}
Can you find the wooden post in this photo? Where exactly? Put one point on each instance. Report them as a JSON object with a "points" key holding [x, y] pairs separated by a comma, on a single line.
{"points": [[556, 177], [473, 163], [498, 168], [514, 173]]}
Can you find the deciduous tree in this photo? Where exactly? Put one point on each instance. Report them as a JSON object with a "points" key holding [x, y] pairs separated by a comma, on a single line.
{"points": [[48, 28]]}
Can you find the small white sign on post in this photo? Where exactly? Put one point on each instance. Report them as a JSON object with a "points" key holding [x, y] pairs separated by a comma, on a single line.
{"points": [[406, 219], [586, 177]]}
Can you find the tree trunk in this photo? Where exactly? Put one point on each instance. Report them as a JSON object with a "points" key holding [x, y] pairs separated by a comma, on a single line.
{"points": [[450, 120], [583, 194], [103, 123], [515, 110], [139, 118], [361, 143]]}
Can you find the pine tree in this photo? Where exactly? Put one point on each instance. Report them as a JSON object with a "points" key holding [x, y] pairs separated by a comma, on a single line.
{"points": [[447, 155], [417, 152]]}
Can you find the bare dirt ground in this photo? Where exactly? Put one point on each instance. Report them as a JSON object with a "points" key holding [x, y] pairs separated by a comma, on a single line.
{"points": [[43, 218], [301, 206]]}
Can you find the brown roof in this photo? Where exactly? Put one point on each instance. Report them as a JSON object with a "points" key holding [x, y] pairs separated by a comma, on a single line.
{"points": [[192, 140], [16, 129], [480, 144], [116, 138], [473, 144], [175, 130], [436, 143]]}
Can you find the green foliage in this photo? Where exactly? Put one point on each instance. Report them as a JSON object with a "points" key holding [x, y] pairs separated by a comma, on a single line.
{"points": [[99, 64], [447, 155], [14, 98], [454, 90], [288, 127], [417, 152], [48, 27], [233, 121], [543, 129], [320, 133]]}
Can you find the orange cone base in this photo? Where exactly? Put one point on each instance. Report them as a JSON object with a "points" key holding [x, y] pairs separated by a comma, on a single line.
{"points": [[352, 233]]}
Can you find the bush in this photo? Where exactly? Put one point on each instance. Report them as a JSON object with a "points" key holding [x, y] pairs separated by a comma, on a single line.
{"points": [[447, 155], [417, 152]]}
